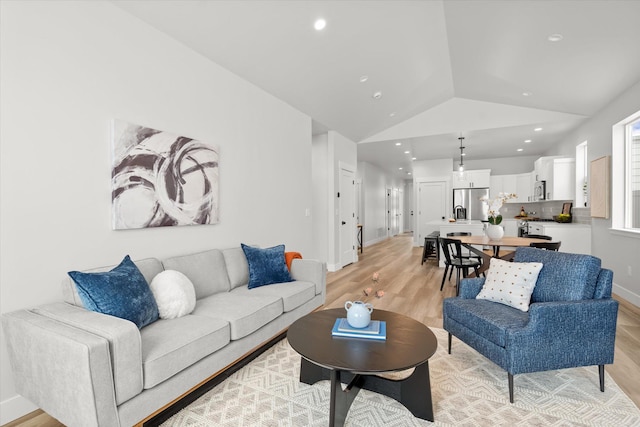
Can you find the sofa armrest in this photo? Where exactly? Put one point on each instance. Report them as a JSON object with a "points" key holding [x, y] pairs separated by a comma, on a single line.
{"points": [[64, 370], [568, 333], [310, 270], [122, 336], [470, 288]]}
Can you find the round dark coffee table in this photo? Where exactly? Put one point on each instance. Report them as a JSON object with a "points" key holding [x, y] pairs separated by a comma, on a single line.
{"points": [[357, 362]]}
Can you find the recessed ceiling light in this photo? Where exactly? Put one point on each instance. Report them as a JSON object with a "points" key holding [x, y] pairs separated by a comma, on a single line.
{"points": [[399, 168], [364, 79], [537, 129], [406, 152], [526, 141], [392, 114], [377, 95], [398, 143], [526, 94], [408, 173], [555, 37], [320, 24], [520, 149], [414, 158]]}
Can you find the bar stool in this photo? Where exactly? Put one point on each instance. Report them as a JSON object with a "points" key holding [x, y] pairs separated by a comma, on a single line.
{"points": [[431, 247]]}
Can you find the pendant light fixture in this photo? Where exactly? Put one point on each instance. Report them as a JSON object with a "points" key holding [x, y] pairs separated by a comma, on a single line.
{"points": [[461, 166]]}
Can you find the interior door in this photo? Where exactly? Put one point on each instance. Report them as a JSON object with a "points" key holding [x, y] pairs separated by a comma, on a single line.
{"points": [[347, 217], [432, 198]]}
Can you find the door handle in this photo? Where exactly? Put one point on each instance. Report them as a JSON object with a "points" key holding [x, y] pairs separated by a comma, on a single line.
{"points": [[344, 223]]}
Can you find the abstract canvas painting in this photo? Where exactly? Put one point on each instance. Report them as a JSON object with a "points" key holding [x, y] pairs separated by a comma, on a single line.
{"points": [[162, 179]]}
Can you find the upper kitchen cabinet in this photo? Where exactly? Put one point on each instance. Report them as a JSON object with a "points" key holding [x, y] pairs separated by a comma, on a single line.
{"points": [[524, 187], [559, 174], [472, 179], [520, 184]]}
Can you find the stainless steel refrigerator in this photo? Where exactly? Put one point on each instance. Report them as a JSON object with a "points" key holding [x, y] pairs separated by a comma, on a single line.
{"points": [[466, 201]]}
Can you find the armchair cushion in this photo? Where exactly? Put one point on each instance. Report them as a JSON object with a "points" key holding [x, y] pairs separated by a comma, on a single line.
{"points": [[510, 283], [487, 319], [564, 276]]}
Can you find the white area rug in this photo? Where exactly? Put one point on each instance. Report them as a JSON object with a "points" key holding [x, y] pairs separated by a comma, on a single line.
{"points": [[467, 390]]}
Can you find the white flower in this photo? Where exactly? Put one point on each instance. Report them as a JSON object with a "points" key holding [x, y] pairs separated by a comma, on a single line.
{"points": [[496, 203]]}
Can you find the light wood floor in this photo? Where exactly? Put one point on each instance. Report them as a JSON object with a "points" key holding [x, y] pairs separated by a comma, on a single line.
{"points": [[414, 290]]}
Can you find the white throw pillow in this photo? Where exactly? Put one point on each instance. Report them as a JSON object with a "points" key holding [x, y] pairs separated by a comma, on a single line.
{"points": [[174, 294], [510, 283]]}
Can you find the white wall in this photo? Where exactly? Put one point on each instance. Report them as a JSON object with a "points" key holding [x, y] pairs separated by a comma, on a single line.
{"points": [[375, 182], [320, 212], [341, 151], [503, 165], [617, 252], [68, 68]]}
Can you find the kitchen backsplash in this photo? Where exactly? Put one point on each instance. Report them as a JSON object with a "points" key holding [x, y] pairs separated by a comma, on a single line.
{"points": [[545, 210]]}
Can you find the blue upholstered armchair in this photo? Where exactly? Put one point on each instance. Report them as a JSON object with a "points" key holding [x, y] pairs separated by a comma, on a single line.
{"points": [[571, 320]]}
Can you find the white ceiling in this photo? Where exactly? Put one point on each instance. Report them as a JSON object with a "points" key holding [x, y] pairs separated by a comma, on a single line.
{"points": [[445, 68]]}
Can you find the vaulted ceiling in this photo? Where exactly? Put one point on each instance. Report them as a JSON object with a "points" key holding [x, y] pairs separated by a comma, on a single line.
{"points": [[487, 70]]}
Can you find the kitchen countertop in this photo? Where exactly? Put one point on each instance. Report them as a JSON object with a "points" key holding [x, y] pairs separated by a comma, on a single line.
{"points": [[561, 224], [458, 222]]}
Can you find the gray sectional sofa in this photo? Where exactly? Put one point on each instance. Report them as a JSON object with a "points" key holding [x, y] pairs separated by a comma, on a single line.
{"points": [[90, 369]]}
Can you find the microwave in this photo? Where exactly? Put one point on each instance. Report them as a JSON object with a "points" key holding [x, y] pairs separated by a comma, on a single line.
{"points": [[540, 191]]}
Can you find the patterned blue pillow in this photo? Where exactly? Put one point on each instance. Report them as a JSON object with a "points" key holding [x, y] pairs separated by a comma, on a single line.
{"points": [[122, 292], [266, 266]]}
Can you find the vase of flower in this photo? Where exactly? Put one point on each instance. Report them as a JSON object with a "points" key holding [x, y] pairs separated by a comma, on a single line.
{"points": [[495, 232]]}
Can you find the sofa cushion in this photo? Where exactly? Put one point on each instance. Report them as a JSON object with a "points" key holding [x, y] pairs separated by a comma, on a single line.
{"points": [[149, 267], [171, 345], [206, 270], [293, 294], [237, 266], [510, 283], [266, 266], [564, 276], [486, 318], [174, 294], [122, 292], [245, 313]]}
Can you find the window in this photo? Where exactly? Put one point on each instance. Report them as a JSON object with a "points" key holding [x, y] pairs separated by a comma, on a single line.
{"points": [[632, 187], [582, 166], [626, 175]]}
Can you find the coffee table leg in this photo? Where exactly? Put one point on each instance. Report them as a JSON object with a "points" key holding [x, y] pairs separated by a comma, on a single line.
{"points": [[415, 393], [310, 373], [341, 400]]}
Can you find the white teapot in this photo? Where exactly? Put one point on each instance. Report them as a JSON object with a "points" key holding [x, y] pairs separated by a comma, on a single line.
{"points": [[358, 313]]}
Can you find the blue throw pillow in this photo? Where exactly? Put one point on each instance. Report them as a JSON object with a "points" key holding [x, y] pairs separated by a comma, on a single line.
{"points": [[122, 292], [266, 266]]}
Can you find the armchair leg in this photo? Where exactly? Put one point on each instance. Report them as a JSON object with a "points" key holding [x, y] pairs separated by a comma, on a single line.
{"points": [[449, 344], [601, 372], [510, 387]]}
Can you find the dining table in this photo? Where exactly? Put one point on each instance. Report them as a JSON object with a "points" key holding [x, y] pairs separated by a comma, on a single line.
{"points": [[472, 243]]}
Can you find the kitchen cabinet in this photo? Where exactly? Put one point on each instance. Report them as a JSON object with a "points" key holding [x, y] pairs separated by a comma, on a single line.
{"points": [[524, 187], [519, 184], [575, 238], [472, 179], [559, 174], [510, 227]]}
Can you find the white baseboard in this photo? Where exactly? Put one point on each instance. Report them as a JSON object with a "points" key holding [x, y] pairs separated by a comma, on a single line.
{"points": [[374, 241], [333, 267], [633, 298], [14, 408]]}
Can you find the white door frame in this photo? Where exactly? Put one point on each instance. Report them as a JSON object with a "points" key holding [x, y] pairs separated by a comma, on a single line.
{"points": [[349, 217], [416, 190]]}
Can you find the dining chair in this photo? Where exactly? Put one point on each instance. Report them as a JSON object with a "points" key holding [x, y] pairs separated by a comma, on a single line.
{"points": [[538, 236], [453, 258], [466, 253], [549, 246]]}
